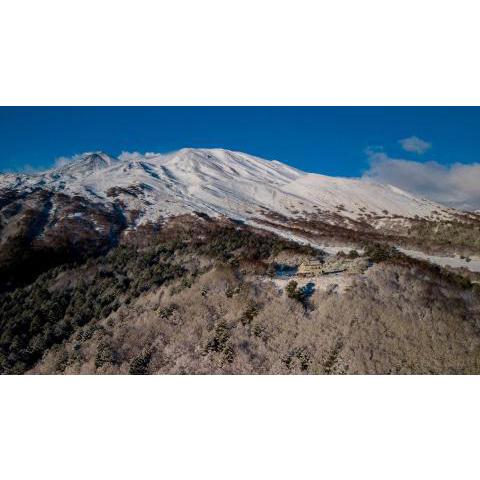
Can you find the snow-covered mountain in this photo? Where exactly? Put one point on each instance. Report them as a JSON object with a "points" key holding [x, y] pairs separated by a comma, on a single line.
{"points": [[221, 182], [88, 205]]}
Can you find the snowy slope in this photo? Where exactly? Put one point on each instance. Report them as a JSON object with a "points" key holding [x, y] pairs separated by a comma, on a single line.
{"points": [[219, 182]]}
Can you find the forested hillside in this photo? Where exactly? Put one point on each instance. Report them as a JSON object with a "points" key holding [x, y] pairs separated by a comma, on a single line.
{"points": [[198, 295]]}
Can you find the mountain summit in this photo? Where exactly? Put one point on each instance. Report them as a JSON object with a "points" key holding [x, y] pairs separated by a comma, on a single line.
{"points": [[85, 164]]}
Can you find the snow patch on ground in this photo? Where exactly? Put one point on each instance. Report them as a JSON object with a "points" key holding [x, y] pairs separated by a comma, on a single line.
{"points": [[329, 249], [455, 262]]}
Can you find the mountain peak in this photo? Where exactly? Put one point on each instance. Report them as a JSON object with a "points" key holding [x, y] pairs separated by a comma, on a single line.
{"points": [[86, 164], [98, 156]]}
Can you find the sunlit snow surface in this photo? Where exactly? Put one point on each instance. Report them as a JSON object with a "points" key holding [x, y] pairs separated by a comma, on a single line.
{"points": [[216, 181], [473, 263]]}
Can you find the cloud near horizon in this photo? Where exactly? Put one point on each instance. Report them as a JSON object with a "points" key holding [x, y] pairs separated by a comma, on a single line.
{"points": [[456, 185], [137, 155], [415, 145], [62, 161]]}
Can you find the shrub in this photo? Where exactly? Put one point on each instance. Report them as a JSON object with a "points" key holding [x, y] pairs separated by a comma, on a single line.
{"points": [[230, 291], [105, 355], [299, 294], [166, 312], [300, 356], [218, 341], [380, 253], [229, 353], [140, 363], [291, 288]]}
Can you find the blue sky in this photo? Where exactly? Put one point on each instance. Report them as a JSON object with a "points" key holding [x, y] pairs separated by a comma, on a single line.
{"points": [[431, 151], [325, 140]]}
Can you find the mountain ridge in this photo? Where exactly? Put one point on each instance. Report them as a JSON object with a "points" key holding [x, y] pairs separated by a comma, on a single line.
{"points": [[207, 178]]}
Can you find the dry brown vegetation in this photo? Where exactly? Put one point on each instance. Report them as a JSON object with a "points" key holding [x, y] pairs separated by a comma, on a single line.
{"points": [[390, 321], [401, 316], [195, 296], [459, 234], [43, 314]]}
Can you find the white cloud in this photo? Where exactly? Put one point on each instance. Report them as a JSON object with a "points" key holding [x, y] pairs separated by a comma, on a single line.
{"points": [[62, 161], [456, 185], [415, 145], [28, 169], [125, 156]]}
